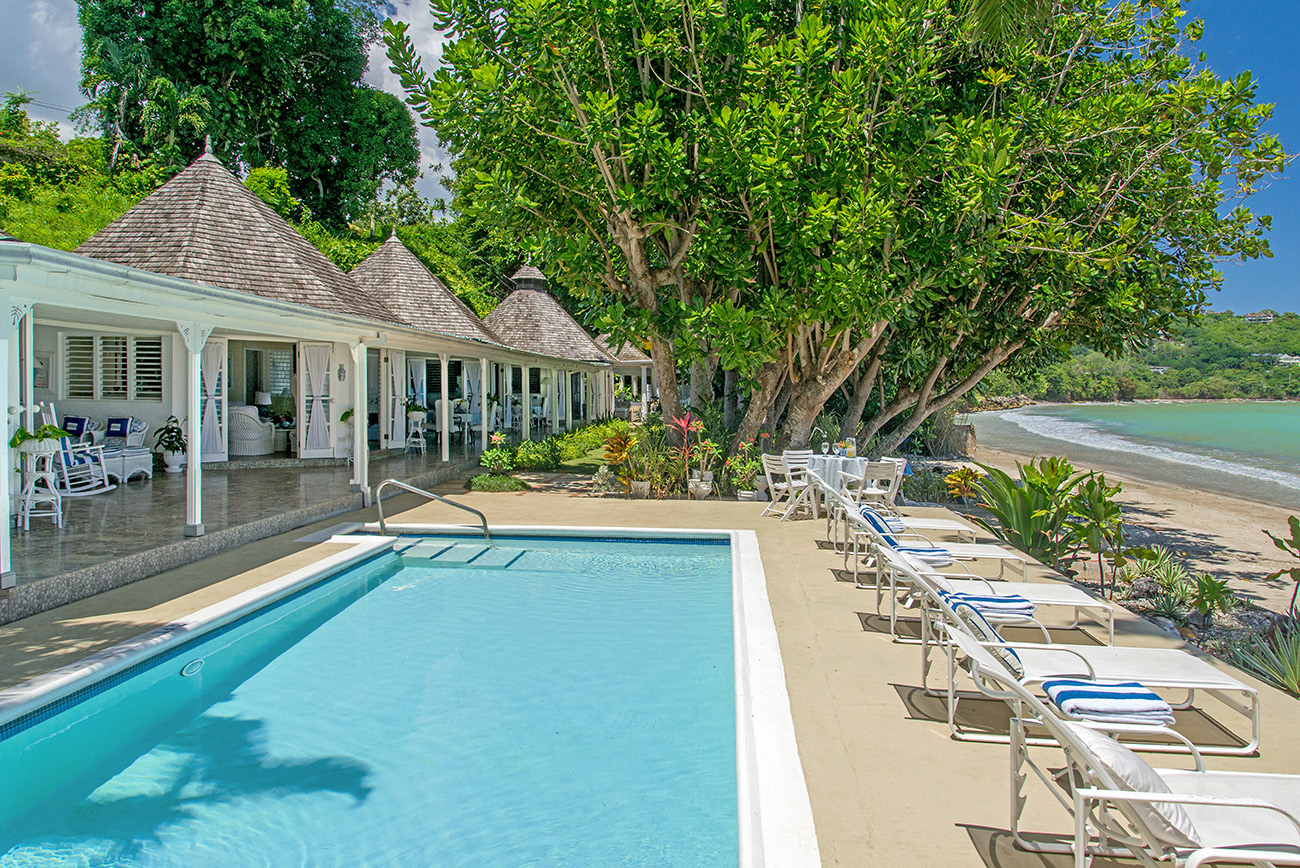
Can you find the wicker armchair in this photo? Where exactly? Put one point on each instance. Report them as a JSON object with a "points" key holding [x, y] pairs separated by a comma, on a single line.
{"points": [[249, 435]]}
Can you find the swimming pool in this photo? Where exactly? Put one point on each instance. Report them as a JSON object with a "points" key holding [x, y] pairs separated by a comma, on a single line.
{"points": [[555, 700]]}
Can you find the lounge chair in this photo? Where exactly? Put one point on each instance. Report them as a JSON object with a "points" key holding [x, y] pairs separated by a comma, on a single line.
{"points": [[898, 524], [916, 579], [869, 531], [1122, 806], [993, 661]]}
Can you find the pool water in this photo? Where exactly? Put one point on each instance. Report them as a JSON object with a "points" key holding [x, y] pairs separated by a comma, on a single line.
{"points": [[574, 708]]}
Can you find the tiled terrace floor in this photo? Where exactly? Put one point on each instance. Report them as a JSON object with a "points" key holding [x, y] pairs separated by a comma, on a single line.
{"points": [[146, 514]]}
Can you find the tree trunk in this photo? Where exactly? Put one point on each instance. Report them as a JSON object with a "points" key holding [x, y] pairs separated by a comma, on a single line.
{"points": [[665, 364], [729, 399], [760, 401], [702, 382]]}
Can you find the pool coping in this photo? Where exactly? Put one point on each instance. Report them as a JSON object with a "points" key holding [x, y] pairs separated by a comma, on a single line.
{"points": [[774, 811]]}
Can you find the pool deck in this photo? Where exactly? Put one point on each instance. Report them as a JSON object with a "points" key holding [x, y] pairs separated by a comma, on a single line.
{"points": [[888, 786]]}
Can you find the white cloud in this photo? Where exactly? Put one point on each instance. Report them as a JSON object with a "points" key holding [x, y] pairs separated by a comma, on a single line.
{"points": [[40, 52], [428, 43]]}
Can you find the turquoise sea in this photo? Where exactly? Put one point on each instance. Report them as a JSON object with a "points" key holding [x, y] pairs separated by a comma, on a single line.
{"points": [[1249, 450]]}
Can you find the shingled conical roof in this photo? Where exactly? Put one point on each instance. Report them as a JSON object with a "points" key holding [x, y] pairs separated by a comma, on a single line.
{"points": [[402, 283], [628, 354], [533, 321], [205, 226]]}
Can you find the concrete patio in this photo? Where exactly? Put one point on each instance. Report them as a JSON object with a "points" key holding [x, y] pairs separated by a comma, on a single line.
{"points": [[888, 786]]}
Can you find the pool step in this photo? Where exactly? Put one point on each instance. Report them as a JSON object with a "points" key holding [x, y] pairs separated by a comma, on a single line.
{"points": [[464, 554]]}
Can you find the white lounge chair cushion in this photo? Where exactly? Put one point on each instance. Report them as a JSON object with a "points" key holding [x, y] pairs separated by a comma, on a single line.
{"points": [[1167, 821]]}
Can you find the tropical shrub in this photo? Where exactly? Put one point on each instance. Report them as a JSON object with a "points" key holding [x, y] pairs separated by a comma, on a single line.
{"points": [[499, 459], [497, 482], [1031, 513], [1292, 547], [962, 482], [538, 454], [1276, 658], [743, 466], [1208, 595], [925, 486]]}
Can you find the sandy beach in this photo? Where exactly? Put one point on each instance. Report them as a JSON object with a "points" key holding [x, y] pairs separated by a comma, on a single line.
{"points": [[1210, 532]]}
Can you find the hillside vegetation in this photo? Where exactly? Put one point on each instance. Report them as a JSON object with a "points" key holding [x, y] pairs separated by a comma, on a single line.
{"points": [[1221, 356]]}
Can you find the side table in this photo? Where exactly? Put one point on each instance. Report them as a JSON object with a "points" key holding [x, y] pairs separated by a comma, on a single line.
{"points": [[40, 497]]}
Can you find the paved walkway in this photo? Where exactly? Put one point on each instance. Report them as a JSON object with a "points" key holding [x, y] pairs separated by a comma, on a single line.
{"points": [[888, 786], [147, 513]]}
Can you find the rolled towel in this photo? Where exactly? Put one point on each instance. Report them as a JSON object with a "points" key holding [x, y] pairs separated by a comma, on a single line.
{"points": [[931, 556], [992, 605], [1108, 701]]}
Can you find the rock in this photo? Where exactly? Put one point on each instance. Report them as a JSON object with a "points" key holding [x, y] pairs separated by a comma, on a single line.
{"points": [[1003, 402], [1143, 588], [1166, 625]]}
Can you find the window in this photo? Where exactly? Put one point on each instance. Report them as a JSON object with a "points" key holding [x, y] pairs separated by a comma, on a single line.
{"points": [[281, 372], [113, 367]]}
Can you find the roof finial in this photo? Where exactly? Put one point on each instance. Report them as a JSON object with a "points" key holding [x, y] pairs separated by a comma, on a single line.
{"points": [[207, 146]]}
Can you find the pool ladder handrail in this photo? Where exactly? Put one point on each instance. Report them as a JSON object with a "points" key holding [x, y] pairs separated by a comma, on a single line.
{"points": [[395, 483]]}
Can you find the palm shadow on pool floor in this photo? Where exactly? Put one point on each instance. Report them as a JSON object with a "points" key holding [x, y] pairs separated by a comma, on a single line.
{"points": [[214, 761]]}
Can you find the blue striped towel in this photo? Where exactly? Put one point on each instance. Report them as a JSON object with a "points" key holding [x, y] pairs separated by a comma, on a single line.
{"points": [[1108, 701], [992, 605], [895, 525], [932, 556]]}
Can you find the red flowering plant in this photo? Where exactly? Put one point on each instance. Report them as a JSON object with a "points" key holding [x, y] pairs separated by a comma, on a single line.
{"points": [[743, 467]]}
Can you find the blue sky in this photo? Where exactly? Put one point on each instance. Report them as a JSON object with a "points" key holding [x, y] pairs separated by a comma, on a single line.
{"points": [[40, 50], [1262, 36]]}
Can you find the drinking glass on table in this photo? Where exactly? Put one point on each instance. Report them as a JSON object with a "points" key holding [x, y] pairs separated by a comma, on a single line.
{"points": [[826, 447]]}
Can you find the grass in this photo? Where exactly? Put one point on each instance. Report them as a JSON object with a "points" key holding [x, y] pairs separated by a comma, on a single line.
{"points": [[496, 482], [589, 463]]}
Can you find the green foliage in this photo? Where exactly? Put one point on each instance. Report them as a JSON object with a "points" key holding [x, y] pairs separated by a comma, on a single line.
{"points": [[42, 432], [1274, 658], [925, 486], [538, 455], [1219, 356], [1209, 595], [274, 82], [862, 193], [963, 482], [170, 437], [1031, 515], [54, 193], [271, 184], [497, 482], [743, 466], [1292, 547], [498, 458], [1094, 522], [582, 441]]}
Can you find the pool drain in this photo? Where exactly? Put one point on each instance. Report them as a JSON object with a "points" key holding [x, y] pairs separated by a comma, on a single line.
{"points": [[191, 668]]}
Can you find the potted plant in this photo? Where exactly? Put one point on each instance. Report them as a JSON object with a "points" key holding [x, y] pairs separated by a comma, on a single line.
{"points": [[415, 411], [171, 440], [742, 471], [43, 439]]}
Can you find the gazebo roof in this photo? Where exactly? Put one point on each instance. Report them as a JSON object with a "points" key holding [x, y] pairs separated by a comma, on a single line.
{"points": [[402, 283], [528, 272], [533, 321], [204, 225], [628, 354]]}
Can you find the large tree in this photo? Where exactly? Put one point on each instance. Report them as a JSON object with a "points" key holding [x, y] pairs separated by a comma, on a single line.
{"points": [[854, 195], [273, 82]]}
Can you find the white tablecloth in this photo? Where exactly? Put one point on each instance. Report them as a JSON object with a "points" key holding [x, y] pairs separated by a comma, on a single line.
{"points": [[835, 470]]}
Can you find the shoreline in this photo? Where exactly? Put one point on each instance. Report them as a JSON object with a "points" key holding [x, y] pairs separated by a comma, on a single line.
{"points": [[1208, 532]]}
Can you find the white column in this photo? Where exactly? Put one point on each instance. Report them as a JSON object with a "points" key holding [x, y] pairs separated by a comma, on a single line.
{"points": [[483, 403], [444, 413], [27, 359], [645, 390], [195, 335], [7, 578], [361, 422], [528, 405]]}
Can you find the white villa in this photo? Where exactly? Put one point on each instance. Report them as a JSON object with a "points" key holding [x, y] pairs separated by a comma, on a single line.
{"points": [[202, 303]]}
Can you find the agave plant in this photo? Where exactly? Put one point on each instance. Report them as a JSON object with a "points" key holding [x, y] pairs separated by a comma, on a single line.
{"points": [[1031, 514], [1276, 659]]}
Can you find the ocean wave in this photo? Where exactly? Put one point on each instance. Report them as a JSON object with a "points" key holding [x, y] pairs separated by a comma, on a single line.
{"points": [[1086, 434]]}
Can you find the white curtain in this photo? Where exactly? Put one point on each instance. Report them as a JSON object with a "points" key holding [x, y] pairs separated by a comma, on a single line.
{"points": [[397, 397], [317, 361], [214, 355], [509, 397], [419, 375], [472, 376]]}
